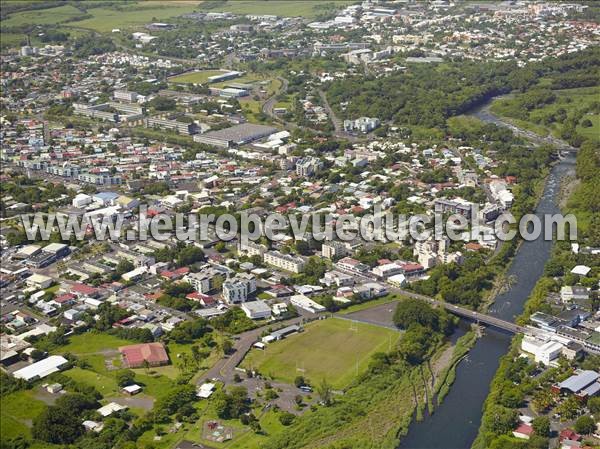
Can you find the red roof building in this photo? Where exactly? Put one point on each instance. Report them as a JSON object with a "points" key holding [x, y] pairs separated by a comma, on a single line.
{"points": [[83, 290], [134, 356], [568, 434], [524, 431]]}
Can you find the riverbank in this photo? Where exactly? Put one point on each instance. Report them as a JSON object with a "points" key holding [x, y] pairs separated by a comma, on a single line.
{"points": [[505, 400], [457, 420]]}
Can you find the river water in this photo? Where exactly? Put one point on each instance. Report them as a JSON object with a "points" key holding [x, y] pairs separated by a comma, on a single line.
{"points": [[455, 423]]}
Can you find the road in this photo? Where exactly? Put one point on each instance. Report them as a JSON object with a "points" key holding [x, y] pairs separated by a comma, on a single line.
{"points": [[270, 103], [224, 369], [452, 308]]}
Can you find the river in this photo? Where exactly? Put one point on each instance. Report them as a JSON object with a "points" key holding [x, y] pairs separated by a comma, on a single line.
{"points": [[455, 423]]}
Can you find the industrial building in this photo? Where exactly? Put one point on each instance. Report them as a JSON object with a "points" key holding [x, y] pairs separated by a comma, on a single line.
{"points": [[235, 136]]}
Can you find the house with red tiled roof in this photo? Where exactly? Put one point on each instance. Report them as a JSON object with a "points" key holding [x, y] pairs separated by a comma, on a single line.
{"points": [[205, 300], [569, 434], [175, 274], [136, 356], [80, 289], [524, 431]]}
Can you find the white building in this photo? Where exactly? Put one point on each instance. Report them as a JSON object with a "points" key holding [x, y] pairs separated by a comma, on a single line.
{"points": [[284, 261], [41, 369], [544, 351], [362, 124], [387, 270], [500, 192], [111, 408], [125, 95], [237, 289], [307, 304], [308, 166], [577, 292], [398, 280], [81, 200], [256, 310], [252, 249], [211, 277], [333, 250], [39, 281], [205, 390]]}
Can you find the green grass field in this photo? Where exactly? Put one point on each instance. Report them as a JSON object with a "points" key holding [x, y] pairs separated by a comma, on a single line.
{"points": [[50, 16], [284, 8], [199, 77], [327, 349], [594, 131], [571, 100], [16, 413], [104, 19], [92, 343]]}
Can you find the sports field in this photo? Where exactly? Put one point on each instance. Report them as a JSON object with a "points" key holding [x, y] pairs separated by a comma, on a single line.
{"points": [[199, 77], [330, 349]]}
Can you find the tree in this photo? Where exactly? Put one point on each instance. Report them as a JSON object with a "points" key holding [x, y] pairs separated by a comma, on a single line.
{"points": [[541, 426], [227, 346], [542, 400], [499, 419], [594, 405], [303, 247], [299, 381], [124, 266], [189, 255], [57, 425], [125, 377], [324, 391], [232, 404], [411, 311], [512, 397], [76, 402], [415, 343], [568, 409], [163, 103], [286, 418], [585, 425]]}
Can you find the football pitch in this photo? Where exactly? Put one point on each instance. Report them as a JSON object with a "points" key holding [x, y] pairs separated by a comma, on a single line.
{"points": [[333, 349]]}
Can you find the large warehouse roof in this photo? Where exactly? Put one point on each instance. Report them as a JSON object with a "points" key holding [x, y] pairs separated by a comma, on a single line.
{"points": [[42, 368], [579, 381], [241, 134]]}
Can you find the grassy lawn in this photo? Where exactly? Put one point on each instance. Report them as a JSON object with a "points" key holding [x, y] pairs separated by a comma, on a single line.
{"points": [[329, 349], [284, 8], [140, 13], [243, 437], [92, 343], [51, 16], [105, 383], [251, 109], [571, 100], [16, 413], [592, 132], [199, 77]]}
